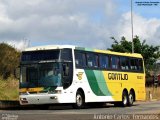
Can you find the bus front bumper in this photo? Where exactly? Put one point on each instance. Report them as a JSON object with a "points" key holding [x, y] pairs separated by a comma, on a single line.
{"points": [[35, 99]]}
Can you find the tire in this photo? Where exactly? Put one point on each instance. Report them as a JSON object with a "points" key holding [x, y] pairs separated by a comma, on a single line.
{"points": [[130, 99], [125, 100], [80, 102]]}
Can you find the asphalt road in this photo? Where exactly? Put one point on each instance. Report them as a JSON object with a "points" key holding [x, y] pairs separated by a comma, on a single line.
{"points": [[140, 110]]}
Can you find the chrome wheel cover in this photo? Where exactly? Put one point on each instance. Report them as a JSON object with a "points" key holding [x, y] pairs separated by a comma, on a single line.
{"points": [[79, 100]]}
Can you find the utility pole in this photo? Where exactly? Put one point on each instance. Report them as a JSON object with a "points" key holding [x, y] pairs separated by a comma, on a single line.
{"points": [[132, 25]]}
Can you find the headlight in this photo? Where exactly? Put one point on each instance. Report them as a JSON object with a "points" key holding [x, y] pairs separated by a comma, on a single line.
{"points": [[58, 91], [23, 99]]}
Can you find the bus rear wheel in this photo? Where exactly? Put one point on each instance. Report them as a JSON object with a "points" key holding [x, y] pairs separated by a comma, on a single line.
{"points": [[124, 102], [130, 99], [80, 102]]}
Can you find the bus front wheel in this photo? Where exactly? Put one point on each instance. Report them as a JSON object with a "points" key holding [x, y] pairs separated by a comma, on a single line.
{"points": [[79, 101]]}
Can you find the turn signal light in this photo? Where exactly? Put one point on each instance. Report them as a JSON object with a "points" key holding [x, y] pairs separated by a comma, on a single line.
{"points": [[58, 91]]}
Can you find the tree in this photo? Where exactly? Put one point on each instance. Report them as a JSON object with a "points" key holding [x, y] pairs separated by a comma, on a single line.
{"points": [[9, 60], [150, 53]]}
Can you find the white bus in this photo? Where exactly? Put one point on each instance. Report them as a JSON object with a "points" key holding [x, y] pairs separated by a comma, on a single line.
{"points": [[76, 75]]}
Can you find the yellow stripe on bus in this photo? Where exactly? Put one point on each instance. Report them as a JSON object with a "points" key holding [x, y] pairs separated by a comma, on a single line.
{"points": [[31, 89]]}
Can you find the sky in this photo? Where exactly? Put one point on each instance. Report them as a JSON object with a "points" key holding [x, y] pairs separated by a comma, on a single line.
{"points": [[85, 23]]}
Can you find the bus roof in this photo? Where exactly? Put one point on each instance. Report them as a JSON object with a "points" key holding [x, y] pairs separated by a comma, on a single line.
{"points": [[110, 52], [49, 47]]}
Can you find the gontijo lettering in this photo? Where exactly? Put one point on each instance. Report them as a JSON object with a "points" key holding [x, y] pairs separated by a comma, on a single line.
{"points": [[117, 76]]}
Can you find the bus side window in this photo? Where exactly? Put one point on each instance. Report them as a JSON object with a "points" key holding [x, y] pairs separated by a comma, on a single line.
{"points": [[134, 64], [96, 62], [118, 62], [66, 54], [127, 63], [65, 67], [140, 65], [90, 61], [124, 63], [83, 59], [103, 61], [80, 59], [67, 74], [115, 62]]}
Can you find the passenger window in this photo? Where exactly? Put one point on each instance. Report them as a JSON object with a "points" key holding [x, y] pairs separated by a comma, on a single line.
{"points": [[89, 60], [96, 64], [92, 60], [84, 59], [134, 64], [115, 62], [140, 65], [80, 59], [127, 64], [124, 63], [104, 61]]}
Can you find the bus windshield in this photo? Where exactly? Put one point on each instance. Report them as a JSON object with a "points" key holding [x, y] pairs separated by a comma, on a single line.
{"points": [[40, 55], [40, 75]]}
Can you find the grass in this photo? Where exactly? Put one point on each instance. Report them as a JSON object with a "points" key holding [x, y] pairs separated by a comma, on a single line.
{"points": [[9, 89], [152, 93]]}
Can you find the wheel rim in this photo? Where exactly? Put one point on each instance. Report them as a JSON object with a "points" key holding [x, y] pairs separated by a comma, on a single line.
{"points": [[131, 99], [79, 100], [124, 100]]}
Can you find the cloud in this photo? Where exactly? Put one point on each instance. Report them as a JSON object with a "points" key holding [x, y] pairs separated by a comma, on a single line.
{"points": [[20, 45], [88, 23], [110, 8], [148, 29], [58, 21]]}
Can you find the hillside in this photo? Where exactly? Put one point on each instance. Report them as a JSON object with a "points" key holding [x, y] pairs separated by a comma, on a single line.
{"points": [[9, 60]]}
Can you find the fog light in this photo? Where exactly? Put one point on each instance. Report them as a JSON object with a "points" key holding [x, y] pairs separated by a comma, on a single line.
{"points": [[58, 91], [53, 97], [23, 99]]}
